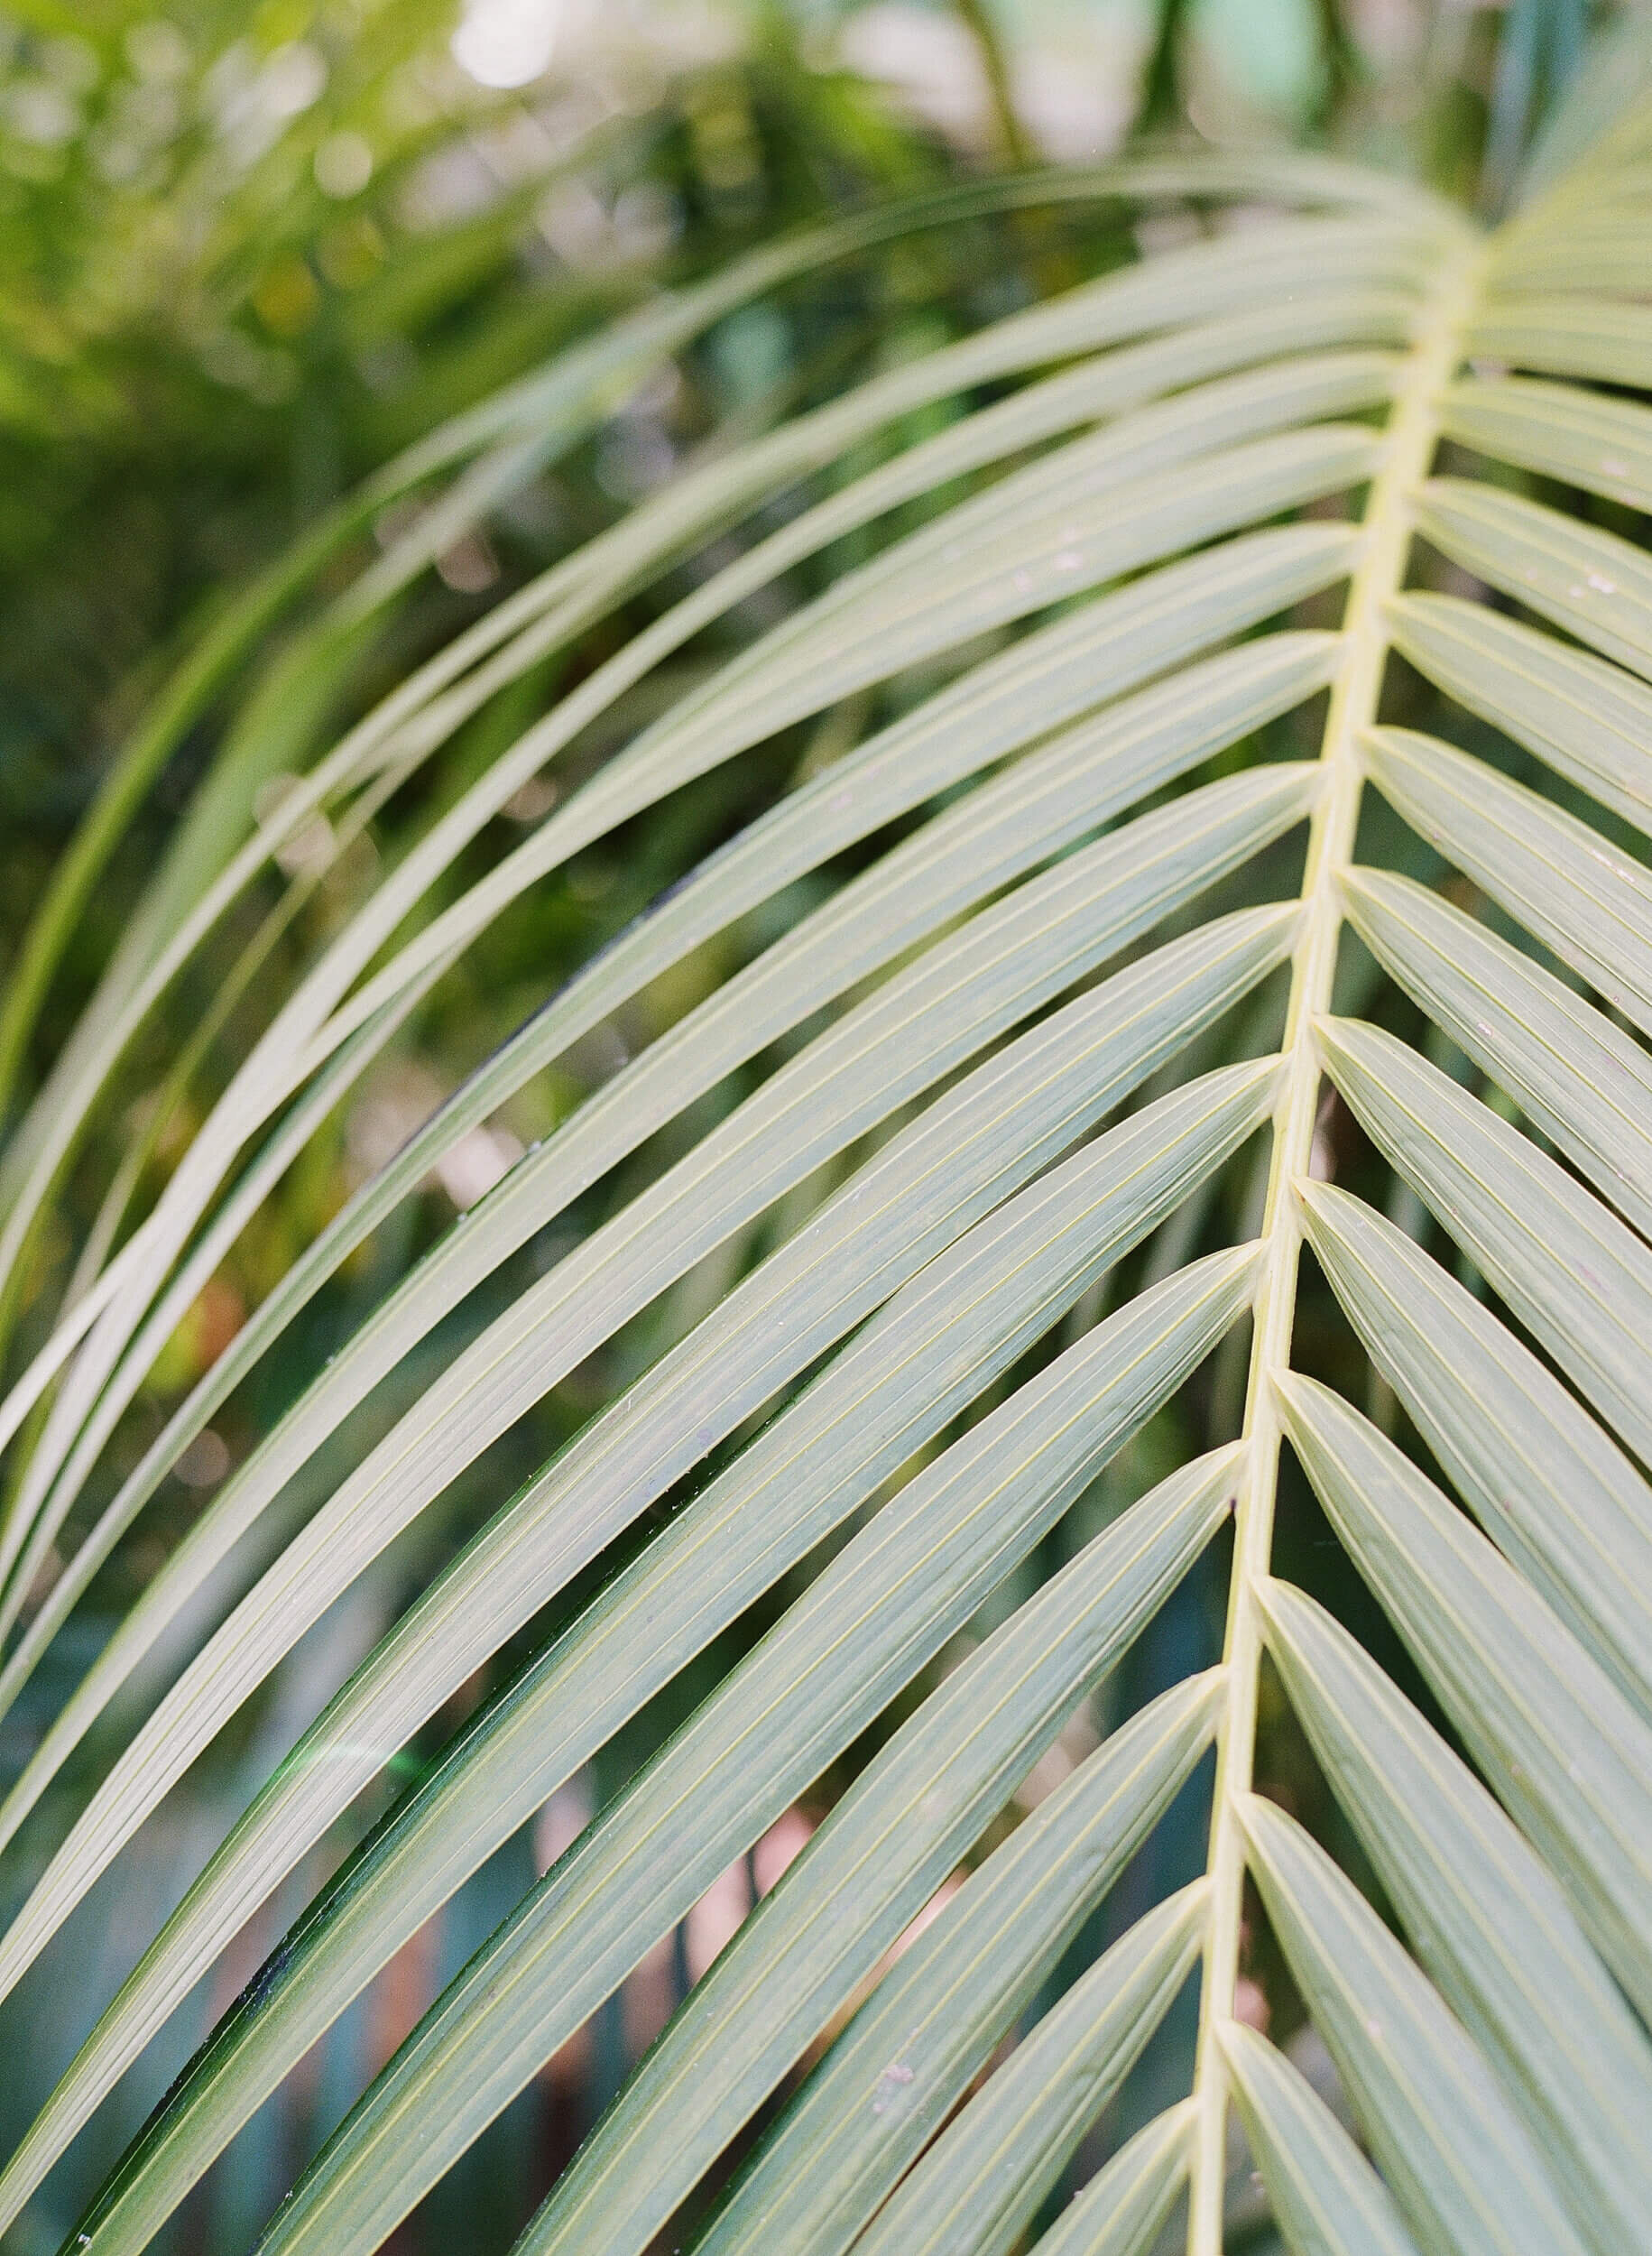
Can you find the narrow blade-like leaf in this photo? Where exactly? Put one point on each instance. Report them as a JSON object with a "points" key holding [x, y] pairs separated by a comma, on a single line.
{"points": [[1553, 1490], [1565, 1751], [1039, 683], [1584, 437], [1325, 2196], [938, 2012], [981, 2183], [1491, 1926], [940, 1340], [1461, 2166], [1566, 884], [1581, 1080], [1589, 581], [1603, 339], [1586, 717], [1580, 1277], [812, 1106], [898, 1590], [1120, 2211]]}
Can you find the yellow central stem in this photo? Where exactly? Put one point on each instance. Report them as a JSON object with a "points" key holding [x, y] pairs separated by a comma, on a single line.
{"points": [[1413, 435]]}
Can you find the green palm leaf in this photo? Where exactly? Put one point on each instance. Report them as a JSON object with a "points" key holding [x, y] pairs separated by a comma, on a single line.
{"points": [[966, 1182]]}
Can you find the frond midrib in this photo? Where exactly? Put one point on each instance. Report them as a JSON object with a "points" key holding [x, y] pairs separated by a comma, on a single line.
{"points": [[1413, 433]]}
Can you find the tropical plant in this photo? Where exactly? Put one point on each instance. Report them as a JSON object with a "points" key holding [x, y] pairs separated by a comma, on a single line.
{"points": [[250, 256], [908, 1372]]}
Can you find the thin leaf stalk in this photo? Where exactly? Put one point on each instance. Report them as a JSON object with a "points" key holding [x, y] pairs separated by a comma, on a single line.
{"points": [[1413, 433]]}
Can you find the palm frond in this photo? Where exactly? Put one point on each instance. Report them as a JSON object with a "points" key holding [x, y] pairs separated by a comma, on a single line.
{"points": [[1014, 1042]]}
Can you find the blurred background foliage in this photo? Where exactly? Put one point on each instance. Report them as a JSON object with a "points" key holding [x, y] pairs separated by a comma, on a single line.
{"points": [[248, 254]]}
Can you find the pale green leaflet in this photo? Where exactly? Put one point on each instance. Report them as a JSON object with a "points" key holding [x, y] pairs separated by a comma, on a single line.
{"points": [[1227, 767]]}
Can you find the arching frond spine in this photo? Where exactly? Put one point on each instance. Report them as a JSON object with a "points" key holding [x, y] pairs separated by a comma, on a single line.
{"points": [[1413, 436]]}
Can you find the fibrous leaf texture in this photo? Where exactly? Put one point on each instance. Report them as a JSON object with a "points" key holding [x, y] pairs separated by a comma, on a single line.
{"points": [[1210, 743]]}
